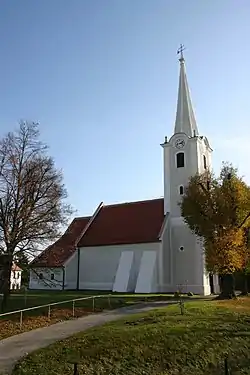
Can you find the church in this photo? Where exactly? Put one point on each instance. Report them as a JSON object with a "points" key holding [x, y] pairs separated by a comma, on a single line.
{"points": [[140, 247]]}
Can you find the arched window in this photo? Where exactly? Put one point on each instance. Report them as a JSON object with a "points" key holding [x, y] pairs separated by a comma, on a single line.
{"points": [[180, 160], [204, 162], [40, 276], [181, 190]]}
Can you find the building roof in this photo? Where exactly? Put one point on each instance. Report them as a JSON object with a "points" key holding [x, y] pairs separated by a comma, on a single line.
{"points": [[125, 223], [15, 267], [56, 254], [118, 224]]}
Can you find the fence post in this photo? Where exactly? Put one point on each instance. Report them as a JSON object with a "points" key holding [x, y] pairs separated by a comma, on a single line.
{"points": [[93, 303], [49, 312], [73, 308], [76, 369], [21, 319], [226, 367], [181, 303]]}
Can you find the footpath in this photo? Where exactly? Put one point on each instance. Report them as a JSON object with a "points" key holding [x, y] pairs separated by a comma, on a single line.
{"points": [[14, 348]]}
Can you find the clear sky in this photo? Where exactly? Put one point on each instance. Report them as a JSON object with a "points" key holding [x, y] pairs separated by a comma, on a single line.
{"points": [[101, 78]]}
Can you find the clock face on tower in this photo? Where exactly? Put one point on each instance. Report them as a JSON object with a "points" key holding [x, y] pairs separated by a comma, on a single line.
{"points": [[180, 143]]}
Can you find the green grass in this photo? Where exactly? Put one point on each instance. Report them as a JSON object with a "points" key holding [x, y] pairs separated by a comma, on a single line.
{"points": [[18, 301], [159, 342], [45, 316]]}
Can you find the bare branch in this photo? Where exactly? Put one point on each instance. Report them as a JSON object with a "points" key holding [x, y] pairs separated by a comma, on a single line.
{"points": [[32, 194]]}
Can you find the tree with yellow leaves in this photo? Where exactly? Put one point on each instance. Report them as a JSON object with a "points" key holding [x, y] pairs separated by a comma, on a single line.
{"points": [[218, 211]]}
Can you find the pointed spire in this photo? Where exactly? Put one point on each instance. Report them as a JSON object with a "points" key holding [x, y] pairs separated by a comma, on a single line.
{"points": [[185, 120]]}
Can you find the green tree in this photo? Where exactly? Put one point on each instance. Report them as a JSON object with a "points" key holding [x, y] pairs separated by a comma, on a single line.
{"points": [[218, 211]]}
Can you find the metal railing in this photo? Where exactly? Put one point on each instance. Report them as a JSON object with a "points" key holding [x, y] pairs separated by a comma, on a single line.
{"points": [[73, 301], [49, 305]]}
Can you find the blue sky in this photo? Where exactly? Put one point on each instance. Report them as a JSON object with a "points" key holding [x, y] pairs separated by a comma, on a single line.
{"points": [[101, 77]]}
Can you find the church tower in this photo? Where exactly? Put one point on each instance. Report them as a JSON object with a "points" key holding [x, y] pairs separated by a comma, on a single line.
{"points": [[185, 154]]}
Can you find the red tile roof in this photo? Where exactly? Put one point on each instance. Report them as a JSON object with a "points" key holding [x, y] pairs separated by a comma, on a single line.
{"points": [[125, 223], [57, 254], [15, 267]]}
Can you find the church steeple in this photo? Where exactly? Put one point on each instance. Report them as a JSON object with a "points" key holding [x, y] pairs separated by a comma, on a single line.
{"points": [[185, 119]]}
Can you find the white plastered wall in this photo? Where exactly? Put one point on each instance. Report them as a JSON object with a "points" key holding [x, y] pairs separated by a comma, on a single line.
{"points": [[98, 265], [15, 279], [45, 283], [71, 271]]}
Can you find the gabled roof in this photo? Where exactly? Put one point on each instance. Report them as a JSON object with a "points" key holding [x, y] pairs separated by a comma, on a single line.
{"points": [[118, 224], [125, 223], [60, 251], [15, 267]]}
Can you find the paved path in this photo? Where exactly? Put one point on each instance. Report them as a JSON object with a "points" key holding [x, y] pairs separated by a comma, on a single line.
{"points": [[14, 348]]}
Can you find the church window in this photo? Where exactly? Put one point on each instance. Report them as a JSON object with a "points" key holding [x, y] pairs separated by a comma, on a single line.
{"points": [[204, 162], [52, 276], [40, 276], [181, 248], [181, 190], [180, 159]]}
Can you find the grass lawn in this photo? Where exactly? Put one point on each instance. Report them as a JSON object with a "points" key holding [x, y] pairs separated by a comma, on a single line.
{"points": [[19, 301], [159, 342], [42, 317]]}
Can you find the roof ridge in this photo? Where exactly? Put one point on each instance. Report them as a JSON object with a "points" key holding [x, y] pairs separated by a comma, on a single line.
{"points": [[88, 225], [81, 217], [133, 202]]}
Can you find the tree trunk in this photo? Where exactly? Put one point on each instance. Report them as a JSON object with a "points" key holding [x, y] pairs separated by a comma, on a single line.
{"points": [[244, 291], [227, 287], [5, 279]]}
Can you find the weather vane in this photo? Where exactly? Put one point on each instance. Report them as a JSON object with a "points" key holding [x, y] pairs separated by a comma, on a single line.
{"points": [[180, 51]]}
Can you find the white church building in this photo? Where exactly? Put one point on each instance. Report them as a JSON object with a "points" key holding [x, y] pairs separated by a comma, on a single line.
{"points": [[141, 247]]}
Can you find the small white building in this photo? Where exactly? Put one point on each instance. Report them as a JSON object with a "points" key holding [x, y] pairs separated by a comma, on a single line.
{"points": [[140, 247], [15, 277]]}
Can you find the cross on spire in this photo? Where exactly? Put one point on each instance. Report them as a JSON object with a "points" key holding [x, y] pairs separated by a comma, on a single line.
{"points": [[180, 51]]}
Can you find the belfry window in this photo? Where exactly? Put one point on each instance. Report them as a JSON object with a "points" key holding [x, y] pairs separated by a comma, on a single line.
{"points": [[181, 190], [204, 162], [180, 160]]}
